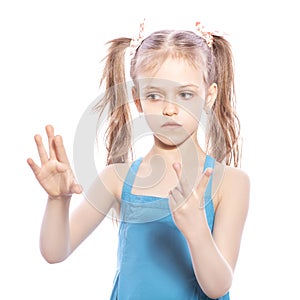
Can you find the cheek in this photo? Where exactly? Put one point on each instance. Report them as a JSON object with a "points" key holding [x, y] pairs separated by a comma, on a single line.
{"points": [[192, 110], [190, 122], [150, 108]]}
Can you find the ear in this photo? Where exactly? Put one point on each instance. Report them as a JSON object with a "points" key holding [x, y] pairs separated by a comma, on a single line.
{"points": [[211, 96], [136, 99]]}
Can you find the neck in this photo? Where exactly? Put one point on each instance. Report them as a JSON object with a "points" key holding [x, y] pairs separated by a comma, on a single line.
{"points": [[187, 152]]}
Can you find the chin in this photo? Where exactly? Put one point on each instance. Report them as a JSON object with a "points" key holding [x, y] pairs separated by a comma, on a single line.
{"points": [[175, 141]]}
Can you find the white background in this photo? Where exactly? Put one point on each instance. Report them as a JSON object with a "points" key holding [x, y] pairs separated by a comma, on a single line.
{"points": [[49, 73]]}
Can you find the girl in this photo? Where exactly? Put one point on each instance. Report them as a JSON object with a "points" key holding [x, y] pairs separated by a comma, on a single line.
{"points": [[180, 226]]}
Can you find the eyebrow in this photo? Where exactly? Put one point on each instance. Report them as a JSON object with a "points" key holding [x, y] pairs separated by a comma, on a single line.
{"points": [[189, 85], [177, 87]]}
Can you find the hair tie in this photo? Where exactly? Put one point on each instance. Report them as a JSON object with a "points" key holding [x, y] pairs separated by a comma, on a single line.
{"points": [[199, 29], [136, 42], [208, 36]]}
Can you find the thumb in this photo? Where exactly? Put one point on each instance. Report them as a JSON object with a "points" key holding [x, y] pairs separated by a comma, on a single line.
{"points": [[76, 188]]}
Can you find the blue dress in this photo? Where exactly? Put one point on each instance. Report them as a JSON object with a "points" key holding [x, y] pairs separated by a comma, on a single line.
{"points": [[154, 262]]}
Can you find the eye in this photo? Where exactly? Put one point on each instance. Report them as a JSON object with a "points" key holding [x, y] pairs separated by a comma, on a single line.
{"points": [[154, 96], [186, 95]]}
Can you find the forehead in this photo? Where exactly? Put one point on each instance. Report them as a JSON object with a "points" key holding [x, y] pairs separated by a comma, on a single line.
{"points": [[150, 84], [173, 71]]}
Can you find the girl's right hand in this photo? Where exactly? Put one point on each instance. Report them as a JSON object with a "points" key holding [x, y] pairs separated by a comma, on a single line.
{"points": [[55, 174]]}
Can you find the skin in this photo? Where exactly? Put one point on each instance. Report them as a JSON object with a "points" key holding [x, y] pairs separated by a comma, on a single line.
{"points": [[183, 181]]}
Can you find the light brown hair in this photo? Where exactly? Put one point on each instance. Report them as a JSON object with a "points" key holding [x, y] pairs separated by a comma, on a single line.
{"points": [[216, 64]]}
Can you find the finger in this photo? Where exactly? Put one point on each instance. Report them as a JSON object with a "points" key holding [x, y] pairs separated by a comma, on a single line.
{"points": [[34, 167], [50, 134], [41, 149], [176, 198], [201, 187], [60, 150], [177, 168], [172, 201], [182, 180], [177, 195]]}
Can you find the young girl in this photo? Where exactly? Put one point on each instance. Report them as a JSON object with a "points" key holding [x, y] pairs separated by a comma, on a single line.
{"points": [[181, 211]]}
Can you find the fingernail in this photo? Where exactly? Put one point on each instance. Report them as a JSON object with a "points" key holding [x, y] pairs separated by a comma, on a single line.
{"points": [[208, 171], [176, 165]]}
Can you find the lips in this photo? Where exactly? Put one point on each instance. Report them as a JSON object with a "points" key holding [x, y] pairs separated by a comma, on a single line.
{"points": [[171, 124]]}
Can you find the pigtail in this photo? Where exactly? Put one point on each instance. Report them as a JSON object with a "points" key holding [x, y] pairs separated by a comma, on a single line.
{"points": [[118, 133], [224, 106]]}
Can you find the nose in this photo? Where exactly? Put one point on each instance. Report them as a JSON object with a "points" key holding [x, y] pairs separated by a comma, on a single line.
{"points": [[170, 108]]}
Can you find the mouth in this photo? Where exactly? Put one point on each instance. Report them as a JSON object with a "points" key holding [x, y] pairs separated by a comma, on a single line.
{"points": [[171, 124]]}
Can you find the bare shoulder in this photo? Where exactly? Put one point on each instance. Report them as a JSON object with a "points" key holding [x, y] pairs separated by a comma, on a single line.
{"points": [[235, 177], [234, 187], [113, 176]]}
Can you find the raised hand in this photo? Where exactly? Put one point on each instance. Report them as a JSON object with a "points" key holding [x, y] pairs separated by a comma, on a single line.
{"points": [[54, 174], [187, 203]]}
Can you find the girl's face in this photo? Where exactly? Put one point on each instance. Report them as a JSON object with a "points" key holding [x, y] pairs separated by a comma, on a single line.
{"points": [[172, 100]]}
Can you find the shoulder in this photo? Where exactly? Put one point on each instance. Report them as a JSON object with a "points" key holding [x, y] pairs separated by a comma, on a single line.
{"points": [[113, 176], [234, 188], [236, 177]]}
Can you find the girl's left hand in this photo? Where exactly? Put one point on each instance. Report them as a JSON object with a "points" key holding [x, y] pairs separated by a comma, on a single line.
{"points": [[187, 203]]}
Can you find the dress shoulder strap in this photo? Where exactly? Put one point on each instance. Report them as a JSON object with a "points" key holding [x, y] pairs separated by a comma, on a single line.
{"points": [[209, 206], [209, 163], [129, 180]]}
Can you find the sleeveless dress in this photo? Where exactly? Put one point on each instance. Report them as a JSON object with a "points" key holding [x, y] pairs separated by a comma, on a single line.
{"points": [[154, 262]]}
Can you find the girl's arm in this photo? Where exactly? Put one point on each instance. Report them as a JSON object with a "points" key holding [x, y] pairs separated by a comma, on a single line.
{"points": [[61, 234], [214, 256]]}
